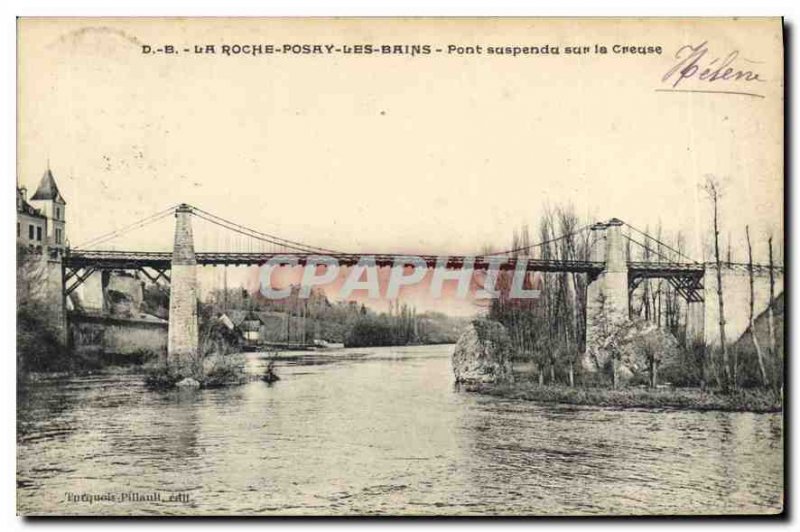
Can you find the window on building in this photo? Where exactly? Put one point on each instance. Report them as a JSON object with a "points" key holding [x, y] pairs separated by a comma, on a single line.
{"points": [[39, 234], [30, 231], [58, 213], [58, 236], [18, 230]]}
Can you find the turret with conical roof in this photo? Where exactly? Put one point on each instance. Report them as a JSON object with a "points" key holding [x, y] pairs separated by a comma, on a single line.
{"points": [[48, 190], [52, 204]]}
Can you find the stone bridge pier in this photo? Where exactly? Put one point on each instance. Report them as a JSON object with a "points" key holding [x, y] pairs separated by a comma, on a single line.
{"points": [[182, 339], [607, 294]]}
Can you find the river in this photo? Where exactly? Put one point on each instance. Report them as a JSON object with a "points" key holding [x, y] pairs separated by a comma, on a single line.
{"points": [[378, 431]]}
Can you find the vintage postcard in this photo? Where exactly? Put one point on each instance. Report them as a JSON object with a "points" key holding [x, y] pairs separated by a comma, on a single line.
{"points": [[400, 267]]}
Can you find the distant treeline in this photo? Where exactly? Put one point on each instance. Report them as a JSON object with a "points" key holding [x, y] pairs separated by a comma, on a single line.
{"points": [[402, 326], [350, 323]]}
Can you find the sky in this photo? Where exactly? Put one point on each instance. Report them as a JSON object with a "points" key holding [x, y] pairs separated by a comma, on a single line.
{"points": [[441, 154]]}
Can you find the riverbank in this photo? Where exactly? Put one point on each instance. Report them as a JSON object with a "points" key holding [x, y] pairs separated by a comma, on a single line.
{"points": [[759, 401]]}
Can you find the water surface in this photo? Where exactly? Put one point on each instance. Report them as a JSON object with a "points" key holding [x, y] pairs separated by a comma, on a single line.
{"points": [[379, 431]]}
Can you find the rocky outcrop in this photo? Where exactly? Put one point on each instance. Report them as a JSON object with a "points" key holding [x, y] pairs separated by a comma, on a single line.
{"points": [[124, 295], [633, 343], [483, 354]]}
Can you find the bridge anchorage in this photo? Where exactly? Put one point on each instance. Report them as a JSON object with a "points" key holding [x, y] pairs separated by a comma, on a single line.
{"points": [[612, 276]]}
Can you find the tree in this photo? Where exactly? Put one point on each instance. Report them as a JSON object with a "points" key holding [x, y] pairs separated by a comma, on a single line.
{"points": [[713, 190], [611, 338], [575, 288], [649, 348], [757, 346], [770, 317]]}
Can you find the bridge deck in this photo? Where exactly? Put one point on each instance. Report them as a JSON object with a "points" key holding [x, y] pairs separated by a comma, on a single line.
{"points": [[121, 260]]}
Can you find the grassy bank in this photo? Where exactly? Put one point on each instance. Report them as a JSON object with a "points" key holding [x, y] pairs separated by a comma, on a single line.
{"points": [[676, 398]]}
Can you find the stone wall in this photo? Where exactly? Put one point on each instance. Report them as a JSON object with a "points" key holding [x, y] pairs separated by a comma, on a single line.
{"points": [[117, 336], [55, 295]]}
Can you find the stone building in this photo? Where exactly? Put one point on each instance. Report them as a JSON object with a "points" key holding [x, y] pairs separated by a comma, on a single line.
{"points": [[41, 229], [31, 223], [41, 220]]}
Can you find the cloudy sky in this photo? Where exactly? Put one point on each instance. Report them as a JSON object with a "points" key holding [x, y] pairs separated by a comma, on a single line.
{"points": [[427, 154]]}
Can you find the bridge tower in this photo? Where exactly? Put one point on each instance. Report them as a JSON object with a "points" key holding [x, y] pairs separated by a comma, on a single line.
{"points": [[182, 341], [607, 294]]}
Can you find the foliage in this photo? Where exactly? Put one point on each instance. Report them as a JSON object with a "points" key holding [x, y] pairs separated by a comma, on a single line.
{"points": [[157, 375], [351, 323], [492, 332], [689, 367], [403, 326], [548, 331], [222, 371], [215, 371], [214, 337], [39, 347], [216, 365]]}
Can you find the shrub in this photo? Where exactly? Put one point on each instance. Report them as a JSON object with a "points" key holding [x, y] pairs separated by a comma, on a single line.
{"points": [[222, 370], [215, 371], [157, 375]]}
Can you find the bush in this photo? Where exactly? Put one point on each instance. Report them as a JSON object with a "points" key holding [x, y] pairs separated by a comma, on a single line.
{"points": [[687, 367], [215, 371], [158, 376], [38, 345], [222, 371]]}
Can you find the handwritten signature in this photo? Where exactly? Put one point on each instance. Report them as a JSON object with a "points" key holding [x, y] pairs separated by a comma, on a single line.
{"points": [[693, 64]]}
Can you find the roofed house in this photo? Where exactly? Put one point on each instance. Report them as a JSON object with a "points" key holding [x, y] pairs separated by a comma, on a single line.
{"points": [[249, 323], [41, 220], [31, 223]]}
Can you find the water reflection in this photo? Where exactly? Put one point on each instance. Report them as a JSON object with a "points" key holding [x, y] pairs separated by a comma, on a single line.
{"points": [[382, 431]]}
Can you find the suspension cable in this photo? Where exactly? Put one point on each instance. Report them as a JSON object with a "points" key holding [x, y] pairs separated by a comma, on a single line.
{"points": [[661, 243], [244, 232], [668, 259], [539, 244], [259, 235], [135, 225]]}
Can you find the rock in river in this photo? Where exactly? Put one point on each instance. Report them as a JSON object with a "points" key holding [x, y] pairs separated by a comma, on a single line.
{"points": [[188, 382], [483, 354]]}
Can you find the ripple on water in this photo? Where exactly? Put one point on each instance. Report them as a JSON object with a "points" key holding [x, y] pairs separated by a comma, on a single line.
{"points": [[382, 432]]}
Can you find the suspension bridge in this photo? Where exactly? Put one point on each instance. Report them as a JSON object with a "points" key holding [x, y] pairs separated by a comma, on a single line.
{"points": [[611, 273], [83, 260]]}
